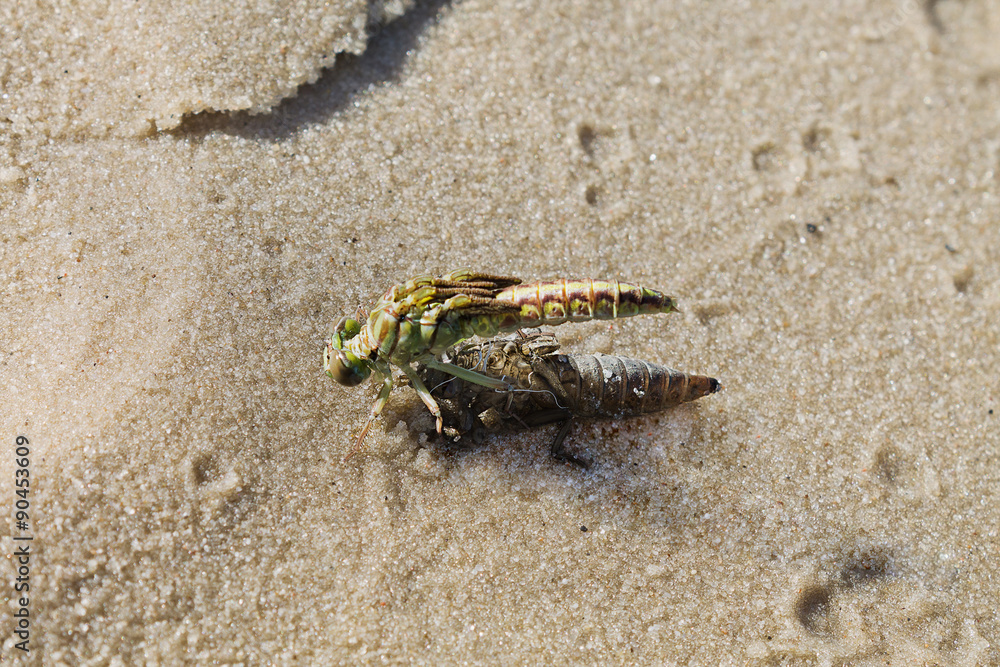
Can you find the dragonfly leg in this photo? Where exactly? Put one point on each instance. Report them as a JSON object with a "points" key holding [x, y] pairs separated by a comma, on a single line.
{"points": [[558, 449], [380, 401], [424, 395], [561, 453]]}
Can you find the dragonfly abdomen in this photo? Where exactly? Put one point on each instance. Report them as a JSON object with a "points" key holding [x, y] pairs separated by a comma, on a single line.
{"points": [[561, 301]]}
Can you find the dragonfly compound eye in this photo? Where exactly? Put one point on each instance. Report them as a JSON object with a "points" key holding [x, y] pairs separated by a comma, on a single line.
{"points": [[345, 368]]}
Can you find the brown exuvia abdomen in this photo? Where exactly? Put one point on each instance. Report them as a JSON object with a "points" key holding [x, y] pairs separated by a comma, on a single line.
{"points": [[612, 386]]}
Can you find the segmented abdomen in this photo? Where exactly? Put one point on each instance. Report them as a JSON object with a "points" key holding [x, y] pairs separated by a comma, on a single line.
{"points": [[561, 301], [544, 383], [612, 386]]}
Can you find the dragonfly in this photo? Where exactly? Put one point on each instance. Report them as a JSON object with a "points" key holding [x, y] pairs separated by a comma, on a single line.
{"points": [[415, 322]]}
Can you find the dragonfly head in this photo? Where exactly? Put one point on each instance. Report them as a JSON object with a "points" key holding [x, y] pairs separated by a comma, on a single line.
{"points": [[342, 365]]}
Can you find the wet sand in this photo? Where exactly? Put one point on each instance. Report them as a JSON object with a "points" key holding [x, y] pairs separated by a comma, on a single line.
{"points": [[819, 187]]}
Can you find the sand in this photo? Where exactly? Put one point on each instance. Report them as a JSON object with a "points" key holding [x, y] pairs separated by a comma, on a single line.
{"points": [[817, 185]]}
